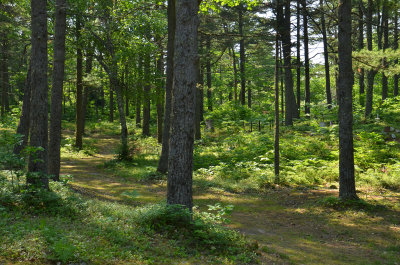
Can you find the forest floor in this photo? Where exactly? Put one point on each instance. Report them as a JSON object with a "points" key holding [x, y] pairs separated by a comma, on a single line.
{"points": [[290, 224]]}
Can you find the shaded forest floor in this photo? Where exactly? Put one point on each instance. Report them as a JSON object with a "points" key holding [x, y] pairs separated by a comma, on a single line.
{"points": [[292, 224]]}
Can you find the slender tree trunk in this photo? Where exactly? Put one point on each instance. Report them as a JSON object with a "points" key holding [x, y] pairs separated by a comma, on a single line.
{"points": [[163, 162], [57, 90], [326, 59], [5, 84], [385, 29], [208, 66], [139, 90], [306, 61], [86, 91], [371, 73], [160, 84], [396, 46], [183, 111], [111, 106], [39, 103], [79, 88], [146, 96], [201, 99], [282, 81], [276, 146], [235, 74], [347, 188], [24, 119], [361, 77], [242, 59], [298, 58]]}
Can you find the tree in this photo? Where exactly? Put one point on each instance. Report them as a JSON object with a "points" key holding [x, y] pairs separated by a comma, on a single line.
{"points": [[306, 60], [79, 85], [183, 105], [38, 133], [347, 188], [57, 90], [371, 73]]}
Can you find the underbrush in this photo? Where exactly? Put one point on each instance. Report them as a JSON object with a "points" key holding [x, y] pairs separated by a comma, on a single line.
{"points": [[61, 226]]}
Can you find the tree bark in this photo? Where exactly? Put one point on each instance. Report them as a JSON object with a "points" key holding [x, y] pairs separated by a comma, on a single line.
{"points": [[396, 46], [79, 88], [139, 90], [361, 77], [39, 103], [24, 119], [242, 59], [163, 162], [111, 105], [371, 73], [86, 90], [298, 57], [208, 66], [57, 90], [326, 59], [146, 96], [306, 61], [180, 164], [385, 29], [347, 188], [276, 136], [234, 74], [160, 84]]}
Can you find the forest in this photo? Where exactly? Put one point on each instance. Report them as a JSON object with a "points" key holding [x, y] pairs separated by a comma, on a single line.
{"points": [[199, 132]]}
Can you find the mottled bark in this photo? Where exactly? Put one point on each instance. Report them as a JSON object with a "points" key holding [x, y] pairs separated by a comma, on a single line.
{"points": [[39, 119], [180, 166], [163, 162], [347, 188], [57, 90]]}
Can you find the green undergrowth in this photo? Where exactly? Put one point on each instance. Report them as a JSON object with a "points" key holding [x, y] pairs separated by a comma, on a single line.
{"points": [[62, 226]]}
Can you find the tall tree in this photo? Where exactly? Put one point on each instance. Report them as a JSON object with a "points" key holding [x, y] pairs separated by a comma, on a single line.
{"points": [[371, 73], [180, 166], [79, 86], [326, 57], [396, 46], [208, 68], [57, 90], [306, 60], [385, 29], [298, 55], [146, 95], [347, 188], [242, 58], [5, 78], [39, 124], [163, 162], [276, 144]]}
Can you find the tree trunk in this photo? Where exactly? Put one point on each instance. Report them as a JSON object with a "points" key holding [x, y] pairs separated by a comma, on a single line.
{"points": [[197, 133], [208, 66], [160, 84], [163, 162], [396, 46], [57, 90], [183, 105], [234, 74], [24, 119], [385, 29], [146, 96], [371, 73], [276, 144], [86, 92], [111, 106], [298, 58], [361, 77], [79, 88], [139, 90], [326, 59], [5, 84], [39, 103], [347, 188], [242, 59], [126, 84], [306, 61]]}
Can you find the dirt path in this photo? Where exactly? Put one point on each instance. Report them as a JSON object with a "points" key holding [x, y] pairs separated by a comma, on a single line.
{"points": [[289, 225]]}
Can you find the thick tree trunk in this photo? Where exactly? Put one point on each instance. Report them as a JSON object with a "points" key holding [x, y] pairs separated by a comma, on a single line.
{"points": [[361, 77], [146, 96], [371, 73], [208, 67], [306, 61], [79, 88], [242, 59], [57, 90], [183, 105], [163, 162], [24, 119], [39, 103], [347, 188]]}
